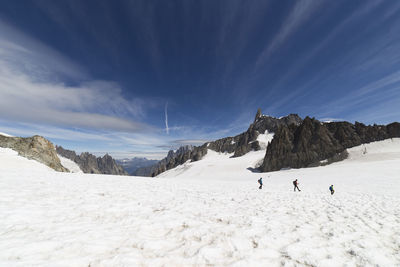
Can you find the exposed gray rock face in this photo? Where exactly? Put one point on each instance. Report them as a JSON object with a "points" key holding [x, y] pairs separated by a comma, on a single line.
{"points": [[247, 140], [239, 145], [173, 159], [311, 142], [89, 163], [37, 148]]}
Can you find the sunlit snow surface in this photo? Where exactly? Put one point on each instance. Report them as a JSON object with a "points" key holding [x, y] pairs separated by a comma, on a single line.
{"points": [[70, 165], [210, 212], [4, 134]]}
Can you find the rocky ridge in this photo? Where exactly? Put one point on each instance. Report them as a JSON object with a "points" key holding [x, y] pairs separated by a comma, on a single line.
{"points": [[239, 145], [313, 143], [36, 147], [89, 163], [297, 143]]}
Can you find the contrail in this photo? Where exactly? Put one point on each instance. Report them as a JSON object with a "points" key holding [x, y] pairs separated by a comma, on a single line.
{"points": [[166, 118]]}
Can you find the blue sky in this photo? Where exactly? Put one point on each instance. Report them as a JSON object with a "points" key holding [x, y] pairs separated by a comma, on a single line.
{"points": [[137, 78]]}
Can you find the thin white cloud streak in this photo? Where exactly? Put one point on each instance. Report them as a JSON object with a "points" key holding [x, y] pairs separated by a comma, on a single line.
{"points": [[166, 118], [330, 119], [381, 112], [22, 99], [381, 51], [29, 92], [143, 20], [300, 14], [70, 15], [26, 129], [239, 19], [302, 61], [144, 140], [377, 85], [366, 94]]}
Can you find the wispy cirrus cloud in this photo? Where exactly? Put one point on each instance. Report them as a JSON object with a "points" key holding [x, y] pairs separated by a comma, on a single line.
{"points": [[21, 53], [300, 13], [238, 23], [31, 89], [355, 62], [330, 119], [52, 132], [370, 98]]}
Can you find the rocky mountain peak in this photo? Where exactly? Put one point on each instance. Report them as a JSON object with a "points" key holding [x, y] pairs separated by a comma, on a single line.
{"points": [[258, 114], [89, 163], [313, 143], [36, 147], [239, 145]]}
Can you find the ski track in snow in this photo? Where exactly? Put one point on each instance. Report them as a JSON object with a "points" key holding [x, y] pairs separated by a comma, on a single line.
{"points": [[203, 218]]}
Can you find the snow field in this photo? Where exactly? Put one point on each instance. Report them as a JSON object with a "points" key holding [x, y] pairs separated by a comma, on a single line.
{"points": [[201, 216], [4, 134], [70, 165]]}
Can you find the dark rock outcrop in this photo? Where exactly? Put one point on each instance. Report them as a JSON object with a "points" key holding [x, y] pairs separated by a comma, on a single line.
{"points": [[37, 148], [89, 163], [247, 140], [311, 142], [173, 159], [239, 144]]}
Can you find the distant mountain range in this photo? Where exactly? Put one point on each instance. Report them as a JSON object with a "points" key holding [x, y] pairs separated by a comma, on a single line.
{"points": [[42, 150], [297, 143], [239, 145], [131, 165], [89, 163]]}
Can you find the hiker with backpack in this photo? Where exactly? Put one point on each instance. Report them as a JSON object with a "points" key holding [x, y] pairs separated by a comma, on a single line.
{"points": [[260, 182], [331, 189], [295, 183]]}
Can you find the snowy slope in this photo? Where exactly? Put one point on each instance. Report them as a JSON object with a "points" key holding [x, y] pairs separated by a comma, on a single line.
{"points": [[264, 139], [220, 166], [11, 162], [4, 134], [204, 216], [70, 165]]}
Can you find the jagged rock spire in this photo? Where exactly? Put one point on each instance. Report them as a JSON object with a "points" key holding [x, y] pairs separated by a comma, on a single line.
{"points": [[258, 115]]}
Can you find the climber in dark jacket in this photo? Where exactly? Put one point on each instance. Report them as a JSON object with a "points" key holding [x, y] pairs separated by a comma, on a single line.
{"points": [[295, 183]]}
